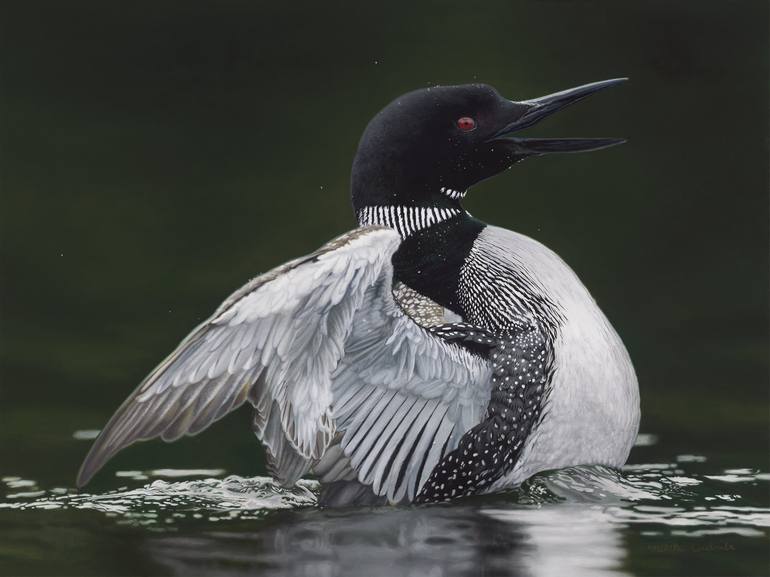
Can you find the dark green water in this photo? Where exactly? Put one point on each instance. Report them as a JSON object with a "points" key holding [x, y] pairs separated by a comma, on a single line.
{"points": [[154, 156]]}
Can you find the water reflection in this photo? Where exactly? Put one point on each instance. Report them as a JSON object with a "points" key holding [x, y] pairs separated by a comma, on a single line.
{"points": [[432, 541]]}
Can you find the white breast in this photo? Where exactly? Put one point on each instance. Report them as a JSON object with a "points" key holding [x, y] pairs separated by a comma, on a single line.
{"points": [[592, 413]]}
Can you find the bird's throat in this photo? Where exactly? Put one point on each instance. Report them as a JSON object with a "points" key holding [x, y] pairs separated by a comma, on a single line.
{"points": [[430, 260]]}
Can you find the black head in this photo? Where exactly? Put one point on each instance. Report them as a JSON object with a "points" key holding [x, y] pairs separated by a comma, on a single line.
{"points": [[427, 147]]}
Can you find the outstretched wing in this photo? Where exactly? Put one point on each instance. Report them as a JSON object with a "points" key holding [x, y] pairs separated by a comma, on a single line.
{"points": [[274, 342], [326, 355]]}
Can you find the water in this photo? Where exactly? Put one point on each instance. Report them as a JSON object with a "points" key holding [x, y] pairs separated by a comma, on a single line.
{"points": [[680, 514], [156, 157]]}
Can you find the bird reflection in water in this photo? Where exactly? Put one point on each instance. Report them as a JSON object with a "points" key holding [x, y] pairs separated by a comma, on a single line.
{"points": [[438, 541]]}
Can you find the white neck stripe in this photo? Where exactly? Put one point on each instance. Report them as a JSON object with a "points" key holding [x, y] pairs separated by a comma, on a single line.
{"points": [[453, 194], [405, 219]]}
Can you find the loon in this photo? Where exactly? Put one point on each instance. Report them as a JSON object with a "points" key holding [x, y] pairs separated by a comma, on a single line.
{"points": [[423, 356]]}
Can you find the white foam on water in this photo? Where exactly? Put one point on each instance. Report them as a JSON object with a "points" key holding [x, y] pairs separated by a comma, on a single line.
{"points": [[219, 499], [86, 434]]}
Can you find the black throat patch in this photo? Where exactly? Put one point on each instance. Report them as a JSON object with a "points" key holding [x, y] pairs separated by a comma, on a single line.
{"points": [[430, 260]]}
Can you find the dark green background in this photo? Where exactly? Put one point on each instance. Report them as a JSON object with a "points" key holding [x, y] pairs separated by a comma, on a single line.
{"points": [[156, 155]]}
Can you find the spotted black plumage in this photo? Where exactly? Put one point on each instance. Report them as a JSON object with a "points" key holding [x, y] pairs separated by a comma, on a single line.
{"points": [[475, 339], [522, 364]]}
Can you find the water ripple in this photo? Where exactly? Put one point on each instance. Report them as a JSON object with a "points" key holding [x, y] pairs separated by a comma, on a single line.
{"points": [[164, 501], [660, 494]]}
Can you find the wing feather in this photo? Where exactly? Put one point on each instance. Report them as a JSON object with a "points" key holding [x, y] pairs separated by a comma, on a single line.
{"points": [[275, 342], [393, 440]]}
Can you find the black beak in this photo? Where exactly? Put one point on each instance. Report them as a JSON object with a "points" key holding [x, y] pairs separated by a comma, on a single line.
{"points": [[539, 108]]}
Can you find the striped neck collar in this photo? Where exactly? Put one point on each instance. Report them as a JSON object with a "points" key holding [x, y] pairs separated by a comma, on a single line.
{"points": [[406, 220], [453, 194]]}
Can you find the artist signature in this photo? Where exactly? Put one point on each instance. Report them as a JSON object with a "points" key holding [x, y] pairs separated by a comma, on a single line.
{"points": [[718, 547]]}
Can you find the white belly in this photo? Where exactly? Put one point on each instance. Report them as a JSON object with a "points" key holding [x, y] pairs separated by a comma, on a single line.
{"points": [[591, 415]]}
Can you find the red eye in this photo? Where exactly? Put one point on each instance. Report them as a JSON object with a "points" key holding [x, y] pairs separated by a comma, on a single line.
{"points": [[466, 123]]}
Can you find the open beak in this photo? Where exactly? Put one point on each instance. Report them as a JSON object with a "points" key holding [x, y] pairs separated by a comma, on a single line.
{"points": [[540, 108]]}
